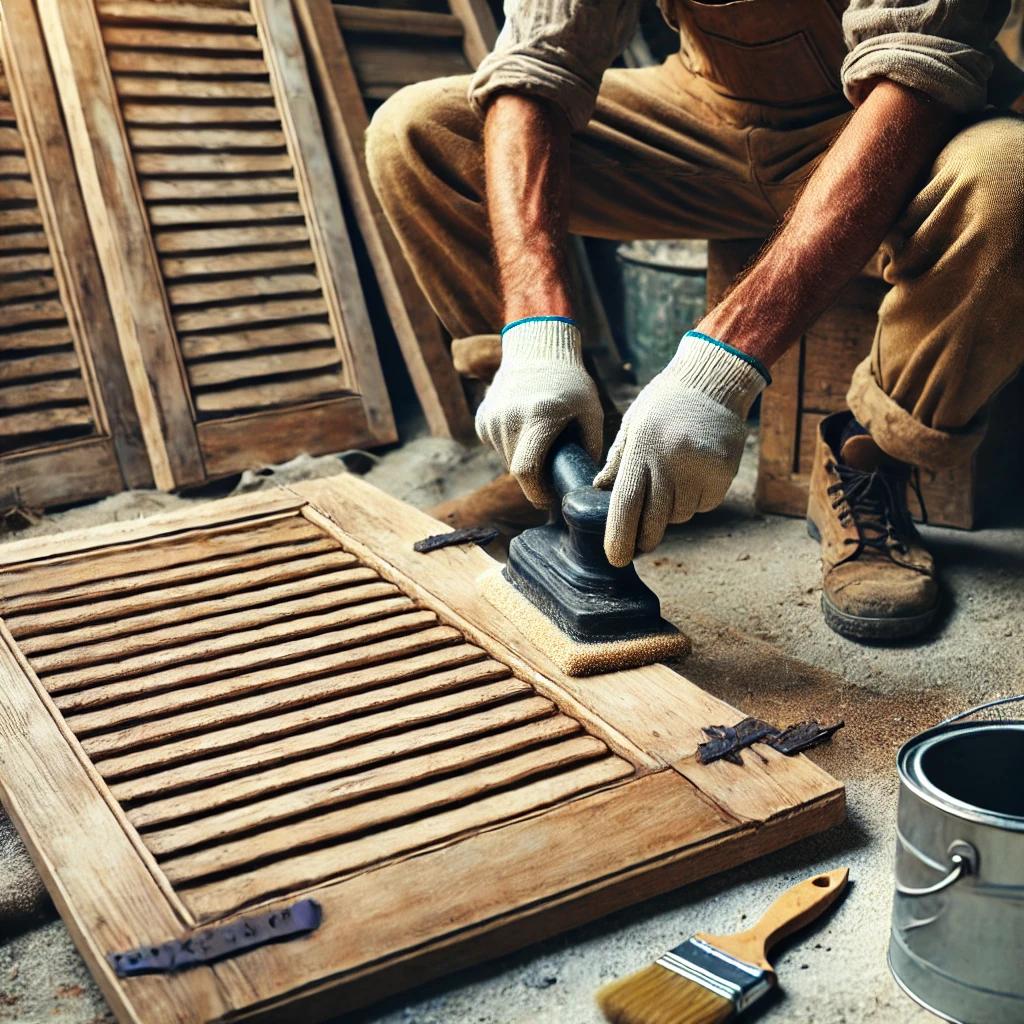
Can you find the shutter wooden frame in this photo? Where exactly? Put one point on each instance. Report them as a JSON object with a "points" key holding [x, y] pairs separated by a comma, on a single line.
{"points": [[183, 448], [111, 456], [651, 819]]}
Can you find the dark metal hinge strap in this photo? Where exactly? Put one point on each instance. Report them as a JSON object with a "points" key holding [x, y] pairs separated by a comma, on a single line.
{"points": [[217, 943]]}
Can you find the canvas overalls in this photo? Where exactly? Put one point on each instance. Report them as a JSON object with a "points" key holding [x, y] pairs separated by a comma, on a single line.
{"points": [[715, 143]]}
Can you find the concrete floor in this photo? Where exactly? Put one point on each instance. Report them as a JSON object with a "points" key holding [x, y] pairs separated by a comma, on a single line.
{"points": [[746, 587]]}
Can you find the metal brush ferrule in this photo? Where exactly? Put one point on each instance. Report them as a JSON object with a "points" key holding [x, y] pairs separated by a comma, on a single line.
{"points": [[732, 979]]}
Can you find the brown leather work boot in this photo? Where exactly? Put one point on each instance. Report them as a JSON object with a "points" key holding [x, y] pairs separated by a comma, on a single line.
{"points": [[477, 357], [878, 581]]}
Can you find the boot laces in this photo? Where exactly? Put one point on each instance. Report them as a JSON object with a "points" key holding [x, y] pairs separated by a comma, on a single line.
{"points": [[876, 503]]}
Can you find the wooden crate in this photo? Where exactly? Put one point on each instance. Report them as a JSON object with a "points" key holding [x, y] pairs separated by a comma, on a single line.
{"points": [[272, 696], [220, 231], [68, 430], [811, 381]]}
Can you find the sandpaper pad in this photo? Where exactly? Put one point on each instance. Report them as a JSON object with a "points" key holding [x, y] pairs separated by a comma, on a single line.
{"points": [[580, 657]]}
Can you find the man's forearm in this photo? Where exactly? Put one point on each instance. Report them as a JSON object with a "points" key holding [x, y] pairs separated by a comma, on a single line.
{"points": [[849, 204], [526, 146]]}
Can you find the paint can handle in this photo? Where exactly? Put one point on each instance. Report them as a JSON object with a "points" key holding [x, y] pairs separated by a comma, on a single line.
{"points": [[963, 860], [982, 707]]}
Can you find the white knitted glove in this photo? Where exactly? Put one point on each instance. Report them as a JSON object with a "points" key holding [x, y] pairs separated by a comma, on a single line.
{"points": [[679, 445], [540, 388]]}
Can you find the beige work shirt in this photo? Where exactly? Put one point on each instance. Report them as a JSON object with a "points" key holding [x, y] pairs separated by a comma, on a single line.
{"points": [[560, 49]]}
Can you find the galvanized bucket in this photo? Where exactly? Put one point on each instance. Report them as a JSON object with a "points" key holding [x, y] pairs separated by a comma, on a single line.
{"points": [[957, 943], [664, 288]]}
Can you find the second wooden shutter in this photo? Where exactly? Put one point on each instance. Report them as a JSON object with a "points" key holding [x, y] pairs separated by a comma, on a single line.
{"points": [[68, 430], [231, 275]]}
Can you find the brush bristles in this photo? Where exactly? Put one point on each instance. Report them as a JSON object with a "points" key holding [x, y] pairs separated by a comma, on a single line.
{"points": [[656, 995]]}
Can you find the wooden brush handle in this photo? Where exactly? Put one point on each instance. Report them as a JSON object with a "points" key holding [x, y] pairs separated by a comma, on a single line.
{"points": [[794, 909]]}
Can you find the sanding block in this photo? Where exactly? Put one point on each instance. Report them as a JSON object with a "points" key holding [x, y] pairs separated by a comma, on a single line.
{"points": [[586, 614]]}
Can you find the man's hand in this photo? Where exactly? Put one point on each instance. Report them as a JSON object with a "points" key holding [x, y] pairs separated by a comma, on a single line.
{"points": [[679, 445], [540, 388]]}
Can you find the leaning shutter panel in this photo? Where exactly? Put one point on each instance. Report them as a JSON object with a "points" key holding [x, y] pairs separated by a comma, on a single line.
{"points": [[222, 199], [394, 47], [66, 430], [43, 398], [419, 334], [256, 331], [275, 697]]}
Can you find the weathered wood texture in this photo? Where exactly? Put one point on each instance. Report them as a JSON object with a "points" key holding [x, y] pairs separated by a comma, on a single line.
{"points": [[276, 695], [235, 290], [811, 381], [67, 428], [343, 96]]}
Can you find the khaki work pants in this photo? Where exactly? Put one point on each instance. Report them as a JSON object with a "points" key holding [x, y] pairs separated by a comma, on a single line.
{"points": [[667, 157]]}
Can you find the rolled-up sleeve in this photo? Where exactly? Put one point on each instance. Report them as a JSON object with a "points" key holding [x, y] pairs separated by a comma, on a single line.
{"points": [[557, 50], [943, 48]]}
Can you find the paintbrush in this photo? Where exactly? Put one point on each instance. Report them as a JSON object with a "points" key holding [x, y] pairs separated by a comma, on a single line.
{"points": [[711, 978]]}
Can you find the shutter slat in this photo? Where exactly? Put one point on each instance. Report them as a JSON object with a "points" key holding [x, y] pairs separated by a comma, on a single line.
{"points": [[134, 641], [149, 589], [299, 870], [249, 735], [294, 744], [170, 11], [188, 663], [305, 332], [147, 87], [186, 189], [210, 799], [349, 670], [66, 580], [179, 604], [237, 289], [400, 774]]}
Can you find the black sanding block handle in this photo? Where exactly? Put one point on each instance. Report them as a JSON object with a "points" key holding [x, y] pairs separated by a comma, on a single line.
{"points": [[572, 468], [584, 509], [562, 567]]}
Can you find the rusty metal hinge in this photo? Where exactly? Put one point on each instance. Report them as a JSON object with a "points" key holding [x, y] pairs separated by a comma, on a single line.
{"points": [[726, 741]]}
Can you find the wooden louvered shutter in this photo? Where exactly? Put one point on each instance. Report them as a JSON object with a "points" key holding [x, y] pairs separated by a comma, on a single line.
{"points": [[393, 46], [274, 696], [220, 229], [67, 428]]}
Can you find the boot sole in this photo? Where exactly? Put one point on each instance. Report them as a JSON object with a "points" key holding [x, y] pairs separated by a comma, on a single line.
{"points": [[861, 627]]}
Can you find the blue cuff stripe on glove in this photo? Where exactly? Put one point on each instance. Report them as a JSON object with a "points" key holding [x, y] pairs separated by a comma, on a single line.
{"points": [[745, 356], [536, 319]]}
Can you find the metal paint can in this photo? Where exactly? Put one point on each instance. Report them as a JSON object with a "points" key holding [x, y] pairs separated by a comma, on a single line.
{"points": [[664, 288], [957, 941]]}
